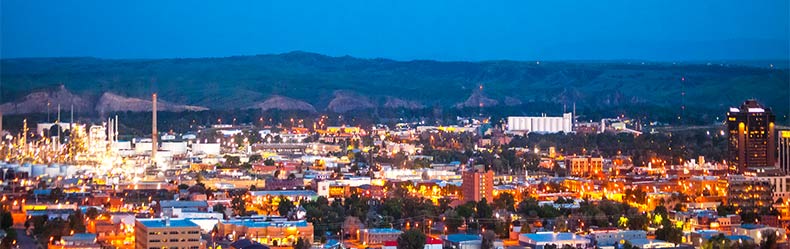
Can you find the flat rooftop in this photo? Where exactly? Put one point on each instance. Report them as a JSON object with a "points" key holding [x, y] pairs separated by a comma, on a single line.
{"points": [[158, 223], [551, 237], [382, 230], [257, 223], [284, 193]]}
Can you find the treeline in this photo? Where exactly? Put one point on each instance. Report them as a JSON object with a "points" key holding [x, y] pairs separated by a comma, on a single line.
{"points": [[671, 147]]}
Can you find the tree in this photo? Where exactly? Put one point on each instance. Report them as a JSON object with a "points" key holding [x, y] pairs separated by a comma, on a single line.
{"points": [[505, 201], [466, 210], [638, 222], [238, 205], [669, 232], [246, 166], [749, 217], [628, 245], [92, 213], [717, 242], [484, 210], [411, 239], [6, 220], [769, 239], [724, 210], [488, 240], [301, 243], [453, 221], [254, 158], [444, 204], [661, 210], [56, 194], [77, 222], [285, 206], [232, 160], [219, 208], [10, 238]]}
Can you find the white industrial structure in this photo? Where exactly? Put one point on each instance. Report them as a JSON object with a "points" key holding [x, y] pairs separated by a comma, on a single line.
{"points": [[542, 124]]}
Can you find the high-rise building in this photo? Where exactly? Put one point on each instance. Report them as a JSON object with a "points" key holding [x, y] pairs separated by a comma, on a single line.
{"points": [[477, 184], [784, 151], [751, 137], [166, 233]]}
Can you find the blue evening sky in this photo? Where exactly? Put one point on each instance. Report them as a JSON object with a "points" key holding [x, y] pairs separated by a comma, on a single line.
{"points": [[400, 29]]}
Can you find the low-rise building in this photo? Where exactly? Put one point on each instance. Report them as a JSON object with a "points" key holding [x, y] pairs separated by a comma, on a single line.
{"points": [[541, 239], [749, 193], [267, 231], [185, 206], [77, 241], [758, 232], [651, 243], [584, 166], [166, 233], [374, 236], [609, 237], [462, 241]]}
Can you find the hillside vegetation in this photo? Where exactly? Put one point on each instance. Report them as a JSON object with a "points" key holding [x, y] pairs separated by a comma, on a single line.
{"points": [[339, 84]]}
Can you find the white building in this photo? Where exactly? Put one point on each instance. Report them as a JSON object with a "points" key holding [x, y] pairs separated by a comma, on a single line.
{"points": [[541, 239], [541, 124], [758, 232], [780, 184]]}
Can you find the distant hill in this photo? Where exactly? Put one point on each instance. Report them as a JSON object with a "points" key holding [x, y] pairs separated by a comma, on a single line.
{"points": [[304, 81]]}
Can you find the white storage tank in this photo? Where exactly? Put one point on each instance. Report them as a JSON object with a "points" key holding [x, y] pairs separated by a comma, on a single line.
{"points": [[52, 170], [142, 148], [24, 168], [123, 145], [205, 148], [177, 148], [38, 170]]}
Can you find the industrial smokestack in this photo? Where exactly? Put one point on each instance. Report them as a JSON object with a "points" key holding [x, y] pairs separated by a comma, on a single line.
{"points": [[154, 134], [115, 136]]}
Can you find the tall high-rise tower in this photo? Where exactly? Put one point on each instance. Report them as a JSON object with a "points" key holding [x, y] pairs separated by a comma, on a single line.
{"points": [[752, 139], [784, 151]]}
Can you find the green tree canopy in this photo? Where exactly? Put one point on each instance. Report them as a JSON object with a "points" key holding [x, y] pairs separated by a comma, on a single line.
{"points": [[411, 239]]}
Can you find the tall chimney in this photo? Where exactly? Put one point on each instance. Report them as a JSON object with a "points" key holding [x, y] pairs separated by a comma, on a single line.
{"points": [[115, 136], [72, 120], [154, 134]]}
